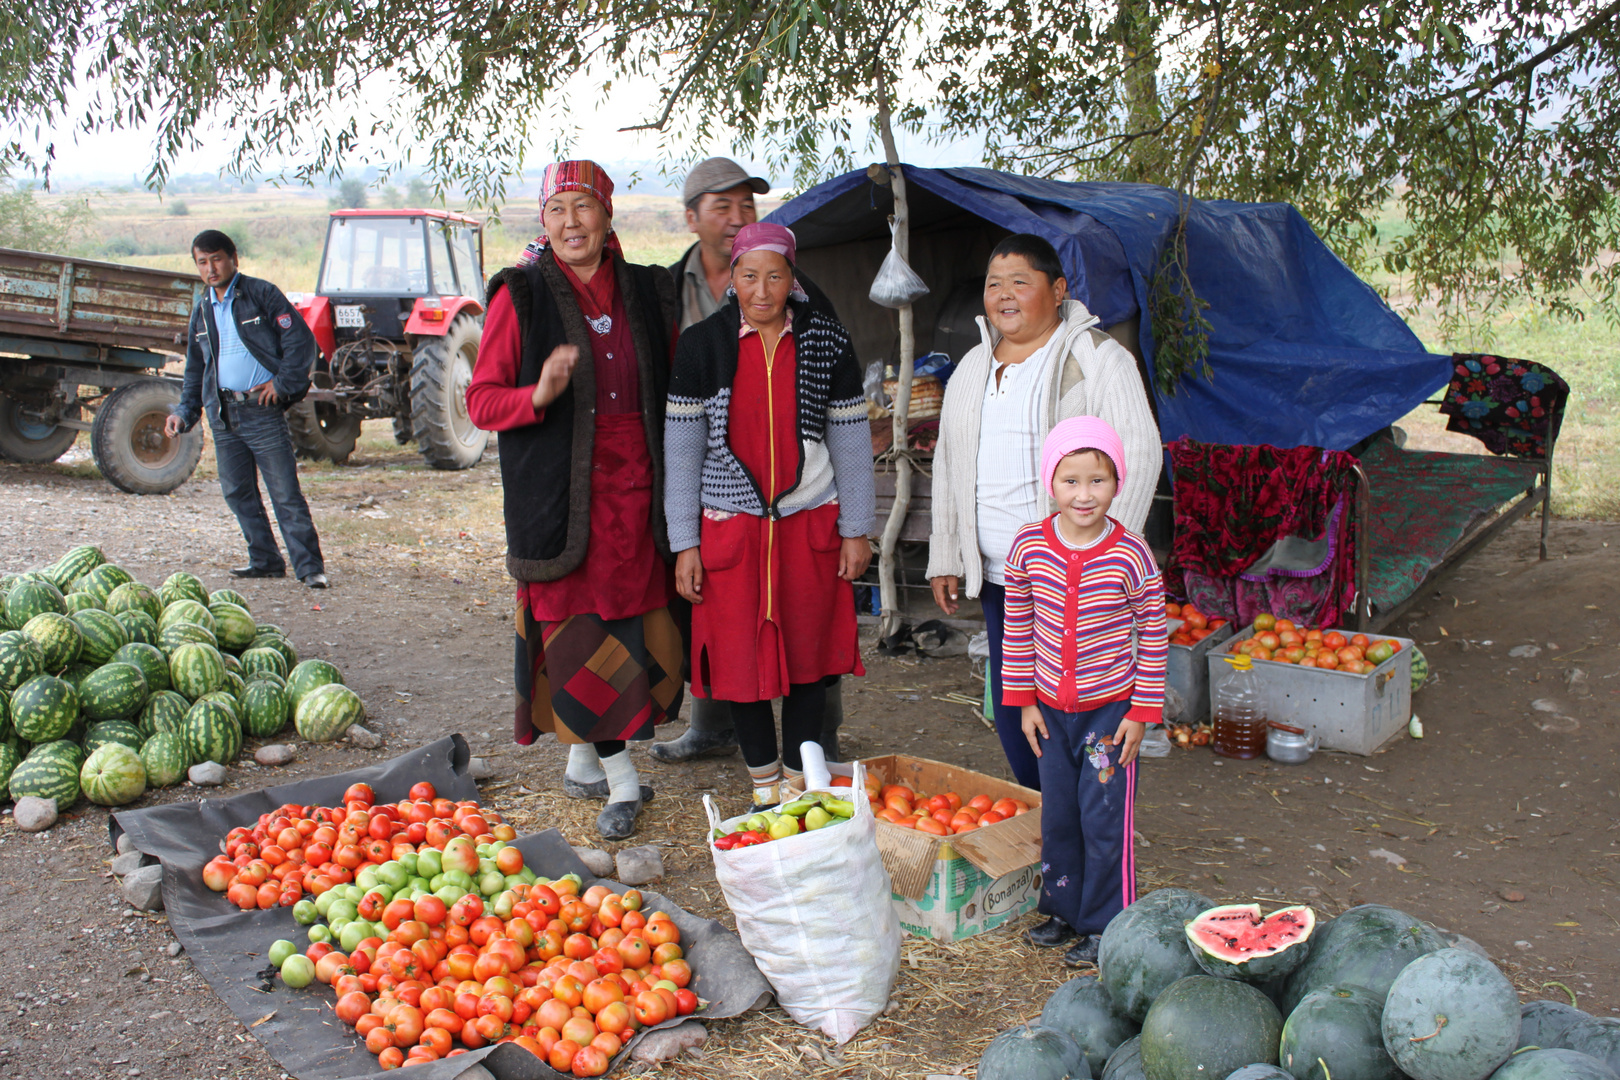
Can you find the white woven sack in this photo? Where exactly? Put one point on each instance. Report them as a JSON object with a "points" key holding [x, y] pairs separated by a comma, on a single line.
{"points": [[814, 911]]}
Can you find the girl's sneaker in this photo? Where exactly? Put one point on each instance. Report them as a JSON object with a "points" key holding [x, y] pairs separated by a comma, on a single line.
{"points": [[1051, 934], [1084, 953]]}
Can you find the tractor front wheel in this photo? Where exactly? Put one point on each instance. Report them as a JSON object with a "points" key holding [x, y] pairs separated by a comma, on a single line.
{"points": [[441, 370]]}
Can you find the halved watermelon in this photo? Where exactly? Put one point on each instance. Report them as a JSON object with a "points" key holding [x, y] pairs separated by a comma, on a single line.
{"points": [[1237, 942]]}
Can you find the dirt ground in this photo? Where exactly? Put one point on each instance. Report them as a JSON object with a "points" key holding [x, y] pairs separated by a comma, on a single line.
{"points": [[1511, 794]]}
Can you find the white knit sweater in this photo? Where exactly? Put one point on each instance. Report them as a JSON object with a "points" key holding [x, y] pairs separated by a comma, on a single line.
{"points": [[1090, 374]]}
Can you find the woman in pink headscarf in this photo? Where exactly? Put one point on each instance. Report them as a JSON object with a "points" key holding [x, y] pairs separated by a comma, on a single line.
{"points": [[572, 371], [769, 502]]}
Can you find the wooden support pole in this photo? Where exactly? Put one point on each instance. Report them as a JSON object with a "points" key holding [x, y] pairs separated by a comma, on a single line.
{"points": [[888, 591]]}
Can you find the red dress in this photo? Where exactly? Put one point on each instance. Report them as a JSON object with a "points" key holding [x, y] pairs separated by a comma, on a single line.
{"points": [[774, 610]]}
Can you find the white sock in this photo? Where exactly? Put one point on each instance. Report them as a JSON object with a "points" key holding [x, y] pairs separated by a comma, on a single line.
{"points": [[624, 783], [584, 767]]}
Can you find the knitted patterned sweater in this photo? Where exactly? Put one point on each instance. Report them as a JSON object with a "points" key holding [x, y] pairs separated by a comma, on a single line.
{"points": [[1069, 618], [835, 444]]}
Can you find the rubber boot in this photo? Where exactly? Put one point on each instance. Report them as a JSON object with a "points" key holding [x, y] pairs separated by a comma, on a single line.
{"points": [[710, 734], [832, 719]]}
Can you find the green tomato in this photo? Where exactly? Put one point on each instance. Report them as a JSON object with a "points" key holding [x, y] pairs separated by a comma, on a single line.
{"points": [[280, 950], [393, 874], [337, 925], [485, 851], [435, 882], [527, 876], [318, 933], [354, 893], [353, 934], [486, 865], [366, 877], [460, 879], [306, 912], [344, 910], [430, 863], [491, 883], [420, 884], [501, 905], [449, 894], [411, 861], [298, 971], [324, 902]]}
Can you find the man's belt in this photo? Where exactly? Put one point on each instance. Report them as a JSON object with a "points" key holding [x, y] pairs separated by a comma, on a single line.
{"points": [[237, 396]]}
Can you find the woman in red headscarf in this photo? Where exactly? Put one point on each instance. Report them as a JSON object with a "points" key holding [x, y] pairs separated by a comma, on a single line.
{"points": [[573, 371], [769, 501]]}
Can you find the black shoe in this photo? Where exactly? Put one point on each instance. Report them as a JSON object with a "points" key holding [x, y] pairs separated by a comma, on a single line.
{"points": [[694, 744], [617, 821], [1084, 953], [315, 581], [597, 790], [257, 571], [1051, 934]]}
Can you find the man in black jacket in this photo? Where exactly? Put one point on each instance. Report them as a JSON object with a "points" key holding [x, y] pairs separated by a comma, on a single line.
{"points": [[248, 358], [719, 196]]}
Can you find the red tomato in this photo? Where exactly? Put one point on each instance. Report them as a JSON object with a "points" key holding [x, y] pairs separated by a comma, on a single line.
{"points": [[360, 793]]}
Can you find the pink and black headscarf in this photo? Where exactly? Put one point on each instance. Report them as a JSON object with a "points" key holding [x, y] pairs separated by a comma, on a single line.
{"points": [[578, 175]]}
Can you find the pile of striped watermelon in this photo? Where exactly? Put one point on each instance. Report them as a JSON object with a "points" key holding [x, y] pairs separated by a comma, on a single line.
{"points": [[109, 687], [1187, 990]]}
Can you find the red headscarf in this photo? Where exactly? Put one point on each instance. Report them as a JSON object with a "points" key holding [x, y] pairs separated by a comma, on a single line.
{"points": [[578, 175]]}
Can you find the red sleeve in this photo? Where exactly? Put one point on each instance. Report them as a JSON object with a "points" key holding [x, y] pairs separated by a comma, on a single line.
{"points": [[494, 400]]}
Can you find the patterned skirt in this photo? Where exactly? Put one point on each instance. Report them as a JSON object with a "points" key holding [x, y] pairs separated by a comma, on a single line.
{"points": [[589, 679]]}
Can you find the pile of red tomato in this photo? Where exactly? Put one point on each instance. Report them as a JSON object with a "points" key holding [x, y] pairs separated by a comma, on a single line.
{"points": [[1195, 625], [941, 815], [570, 978], [300, 849], [1282, 642]]}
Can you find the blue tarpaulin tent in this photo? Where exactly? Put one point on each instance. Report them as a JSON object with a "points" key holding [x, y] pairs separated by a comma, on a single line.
{"points": [[1303, 352]]}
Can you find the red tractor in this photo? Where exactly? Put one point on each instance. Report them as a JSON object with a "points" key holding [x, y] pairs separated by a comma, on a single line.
{"points": [[397, 313]]}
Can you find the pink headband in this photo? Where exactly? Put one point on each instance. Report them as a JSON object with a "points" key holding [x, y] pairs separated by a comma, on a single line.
{"points": [[1078, 433], [580, 175], [764, 236]]}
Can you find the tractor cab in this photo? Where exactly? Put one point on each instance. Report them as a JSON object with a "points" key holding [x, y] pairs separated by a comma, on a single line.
{"points": [[397, 312]]}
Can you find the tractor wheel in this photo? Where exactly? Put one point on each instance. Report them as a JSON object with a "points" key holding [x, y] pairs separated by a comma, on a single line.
{"points": [[130, 447], [33, 442], [440, 372], [322, 431], [402, 430]]}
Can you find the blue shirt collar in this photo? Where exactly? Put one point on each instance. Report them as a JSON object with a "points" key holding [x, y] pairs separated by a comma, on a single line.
{"points": [[230, 292]]}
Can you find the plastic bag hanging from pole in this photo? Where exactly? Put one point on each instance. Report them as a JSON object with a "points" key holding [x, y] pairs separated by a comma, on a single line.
{"points": [[896, 284]]}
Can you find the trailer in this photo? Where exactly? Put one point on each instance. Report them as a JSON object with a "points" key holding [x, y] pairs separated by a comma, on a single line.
{"points": [[83, 345]]}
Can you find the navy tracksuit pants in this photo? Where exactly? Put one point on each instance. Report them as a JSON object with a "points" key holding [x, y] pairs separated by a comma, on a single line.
{"points": [[1088, 871]]}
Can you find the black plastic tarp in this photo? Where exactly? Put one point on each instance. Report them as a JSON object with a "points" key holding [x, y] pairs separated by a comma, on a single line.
{"points": [[302, 1032]]}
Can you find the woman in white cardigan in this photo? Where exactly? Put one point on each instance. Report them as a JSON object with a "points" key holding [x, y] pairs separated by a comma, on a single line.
{"points": [[1042, 359]]}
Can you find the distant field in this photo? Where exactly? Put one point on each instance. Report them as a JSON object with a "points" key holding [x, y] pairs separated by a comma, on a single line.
{"points": [[281, 232]]}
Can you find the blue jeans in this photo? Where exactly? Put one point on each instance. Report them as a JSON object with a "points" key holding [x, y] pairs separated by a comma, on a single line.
{"points": [[1009, 718], [250, 442]]}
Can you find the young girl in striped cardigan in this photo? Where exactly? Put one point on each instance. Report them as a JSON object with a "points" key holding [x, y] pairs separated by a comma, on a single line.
{"points": [[1084, 656]]}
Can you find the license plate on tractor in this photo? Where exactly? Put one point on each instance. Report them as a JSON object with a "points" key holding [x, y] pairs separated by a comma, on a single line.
{"points": [[350, 315]]}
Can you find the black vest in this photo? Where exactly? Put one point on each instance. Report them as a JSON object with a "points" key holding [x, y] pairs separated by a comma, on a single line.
{"points": [[546, 467]]}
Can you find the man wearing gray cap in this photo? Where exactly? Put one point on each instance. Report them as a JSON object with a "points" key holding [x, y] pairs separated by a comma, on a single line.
{"points": [[719, 196]]}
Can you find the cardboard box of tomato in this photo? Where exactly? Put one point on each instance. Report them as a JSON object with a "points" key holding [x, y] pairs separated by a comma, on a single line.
{"points": [[954, 886]]}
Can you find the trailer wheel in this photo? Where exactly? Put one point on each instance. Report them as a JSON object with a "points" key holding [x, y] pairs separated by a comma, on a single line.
{"points": [[130, 447], [322, 431], [440, 373], [29, 441]]}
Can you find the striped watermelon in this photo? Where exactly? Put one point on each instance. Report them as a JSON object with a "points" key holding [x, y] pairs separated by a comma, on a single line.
{"points": [[186, 611], [78, 601], [103, 635], [306, 677], [139, 626], [262, 659], [267, 676], [232, 664], [226, 699], [5, 714], [232, 625], [272, 628], [43, 709], [29, 597], [227, 596], [264, 709], [164, 711], [79, 562], [113, 691], [183, 586], [166, 759], [327, 712], [171, 638], [9, 760], [46, 777], [20, 659], [279, 643], [113, 775], [233, 684], [211, 733], [101, 581], [112, 731], [67, 750], [150, 659], [133, 596], [75, 674], [59, 638], [196, 669]]}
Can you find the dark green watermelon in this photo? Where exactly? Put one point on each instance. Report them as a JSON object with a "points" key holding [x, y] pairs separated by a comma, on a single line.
{"points": [[139, 626], [164, 711], [30, 597], [211, 733], [1082, 1010], [1338, 1029], [1261, 1072], [103, 579], [1367, 946], [1544, 1023], [1597, 1036], [20, 659], [1144, 948], [103, 635], [1202, 1027], [112, 692], [1125, 1063], [183, 586], [1032, 1052], [264, 709], [112, 731], [1450, 1015], [1553, 1064], [150, 659], [44, 708], [133, 596]]}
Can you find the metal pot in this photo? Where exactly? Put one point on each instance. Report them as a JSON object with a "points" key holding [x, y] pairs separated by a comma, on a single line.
{"points": [[1289, 745]]}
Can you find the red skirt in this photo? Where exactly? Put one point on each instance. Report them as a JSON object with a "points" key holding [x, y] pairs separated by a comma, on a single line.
{"points": [[774, 611]]}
